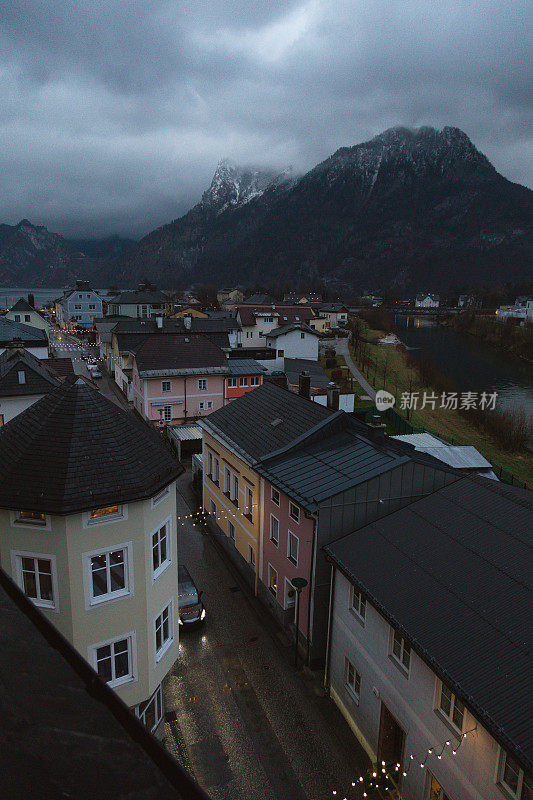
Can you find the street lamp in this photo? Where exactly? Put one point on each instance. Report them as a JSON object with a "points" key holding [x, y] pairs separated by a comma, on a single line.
{"points": [[299, 584]]}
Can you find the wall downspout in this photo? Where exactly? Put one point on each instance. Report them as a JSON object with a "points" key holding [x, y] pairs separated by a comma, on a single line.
{"points": [[185, 398], [311, 589], [330, 628]]}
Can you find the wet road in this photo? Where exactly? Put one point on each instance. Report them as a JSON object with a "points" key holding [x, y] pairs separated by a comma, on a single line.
{"points": [[238, 715]]}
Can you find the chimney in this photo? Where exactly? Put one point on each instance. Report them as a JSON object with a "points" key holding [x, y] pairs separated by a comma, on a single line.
{"points": [[333, 397], [187, 321], [31, 300], [304, 385], [159, 323], [378, 426]]}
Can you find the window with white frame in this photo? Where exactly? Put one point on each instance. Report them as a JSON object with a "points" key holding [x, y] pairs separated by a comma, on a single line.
{"points": [[294, 512], [160, 496], [251, 556], [202, 384], [254, 381], [161, 548], [400, 651], [274, 495], [37, 577], [513, 779], [166, 386], [272, 580], [108, 573], [450, 707], [205, 405], [232, 383], [167, 413], [227, 482], [37, 518], [209, 463], [231, 531], [274, 530], [249, 508], [164, 631], [290, 594], [151, 712], [235, 495], [113, 660], [292, 548], [216, 470], [243, 381], [99, 516], [213, 509], [352, 679], [357, 604]]}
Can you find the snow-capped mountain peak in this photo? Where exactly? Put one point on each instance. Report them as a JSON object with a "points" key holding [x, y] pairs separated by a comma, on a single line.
{"points": [[234, 186]]}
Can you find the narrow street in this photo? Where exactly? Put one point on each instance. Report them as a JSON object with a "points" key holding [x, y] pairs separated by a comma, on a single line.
{"points": [[238, 715], [341, 347]]}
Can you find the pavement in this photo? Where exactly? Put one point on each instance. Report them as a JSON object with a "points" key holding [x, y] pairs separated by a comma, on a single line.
{"points": [[341, 347], [238, 715]]}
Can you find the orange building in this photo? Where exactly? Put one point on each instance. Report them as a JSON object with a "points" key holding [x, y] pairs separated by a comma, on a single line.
{"points": [[245, 374]]}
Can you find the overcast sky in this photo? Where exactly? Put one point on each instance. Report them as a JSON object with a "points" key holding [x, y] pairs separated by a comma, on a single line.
{"points": [[114, 114]]}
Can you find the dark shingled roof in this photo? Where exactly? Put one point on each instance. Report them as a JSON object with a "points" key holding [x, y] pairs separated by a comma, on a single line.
{"points": [[62, 367], [38, 379], [178, 352], [10, 331], [140, 296], [285, 314], [266, 419], [294, 366], [74, 450], [293, 326], [245, 366], [23, 306], [64, 732], [453, 572]]}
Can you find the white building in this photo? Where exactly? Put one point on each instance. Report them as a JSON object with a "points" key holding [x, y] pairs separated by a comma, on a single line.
{"points": [[335, 313], [424, 300], [23, 312], [88, 531], [142, 303], [296, 340], [258, 321], [429, 646]]}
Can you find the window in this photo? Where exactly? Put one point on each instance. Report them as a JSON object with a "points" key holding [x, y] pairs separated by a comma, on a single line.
{"points": [[202, 384], [232, 383], [156, 499], [36, 576], [243, 381], [281, 353], [227, 482], [292, 548], [77, 308], [274, 530], [205, 405], [254, 381], [231, 531], [107, 511], [251, 556], [216, 468], [274, 495], [435, 790], [272, 580], [164, 631], [451, 707], [108, 573], [91, 307], [167, 413], [151, 712], [17, 317], [512, 778], [352, 680], [27, 318], [400, 651], [37, 518], [290, 594], [249, 508], [302, 335], [213, 509], [294, 512], [269, 319], [235, 497], [113, 660], [166, 386], [161, 547], [209, 463], [357, 604]]}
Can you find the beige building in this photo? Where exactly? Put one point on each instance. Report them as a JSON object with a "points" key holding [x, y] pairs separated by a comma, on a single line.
{"points": [[88, 531], [23, 312]]}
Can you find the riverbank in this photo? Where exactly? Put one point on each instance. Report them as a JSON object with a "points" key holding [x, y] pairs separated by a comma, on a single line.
{"points": [[508, 336], [389, 367]]}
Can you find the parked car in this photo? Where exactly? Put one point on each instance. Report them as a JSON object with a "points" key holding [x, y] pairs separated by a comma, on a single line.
{"points": [[190, 607], [94, 370]]}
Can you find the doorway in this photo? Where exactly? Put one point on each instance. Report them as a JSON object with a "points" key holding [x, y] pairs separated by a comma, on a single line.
{"points": [[391, 739]]}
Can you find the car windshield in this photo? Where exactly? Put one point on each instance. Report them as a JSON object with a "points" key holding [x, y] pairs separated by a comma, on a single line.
{"points": [[187, 594]]}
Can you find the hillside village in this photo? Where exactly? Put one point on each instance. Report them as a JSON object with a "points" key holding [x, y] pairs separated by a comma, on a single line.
{"points": [[214, 519]]}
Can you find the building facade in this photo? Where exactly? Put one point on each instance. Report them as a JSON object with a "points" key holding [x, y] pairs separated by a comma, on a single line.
{"points": [[23, 312], [79, 307], [297, 340]]}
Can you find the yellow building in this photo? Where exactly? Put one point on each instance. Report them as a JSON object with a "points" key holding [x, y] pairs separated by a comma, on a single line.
{"points": [[190, 312], [320, 324], [231, 497]]}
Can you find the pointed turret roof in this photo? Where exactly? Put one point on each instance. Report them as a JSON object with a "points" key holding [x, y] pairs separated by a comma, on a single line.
{"points": [[75, 450]]}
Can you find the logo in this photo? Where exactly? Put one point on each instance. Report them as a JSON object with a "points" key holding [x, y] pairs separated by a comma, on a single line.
{"points": [[384, 400]]}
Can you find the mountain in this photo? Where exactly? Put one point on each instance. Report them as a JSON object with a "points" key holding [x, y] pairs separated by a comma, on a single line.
{"points": [[410, 209], [32, 256]]}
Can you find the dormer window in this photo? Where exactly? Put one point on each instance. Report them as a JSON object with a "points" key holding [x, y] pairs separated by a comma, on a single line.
{"points": [[31, 518], [22, 376], [104, 512]]}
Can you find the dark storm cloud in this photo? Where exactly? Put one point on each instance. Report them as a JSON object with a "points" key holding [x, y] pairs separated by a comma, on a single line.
{"points": [[113, 116]]}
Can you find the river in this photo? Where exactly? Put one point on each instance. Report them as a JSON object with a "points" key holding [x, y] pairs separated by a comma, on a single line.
{"points": [[468, 362]]}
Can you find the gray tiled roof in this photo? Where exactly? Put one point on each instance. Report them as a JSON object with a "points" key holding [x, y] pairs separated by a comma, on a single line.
{"points": [[10, 331], [75, 450], [453, 571], [24, 306], [266, 419], [38, 379], [176, 353], [292, 326], [245, 366], [293, 366]]}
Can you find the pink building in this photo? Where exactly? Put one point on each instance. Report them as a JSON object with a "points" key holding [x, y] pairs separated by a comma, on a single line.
{"points": [[287, 553], [178, 378]]}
